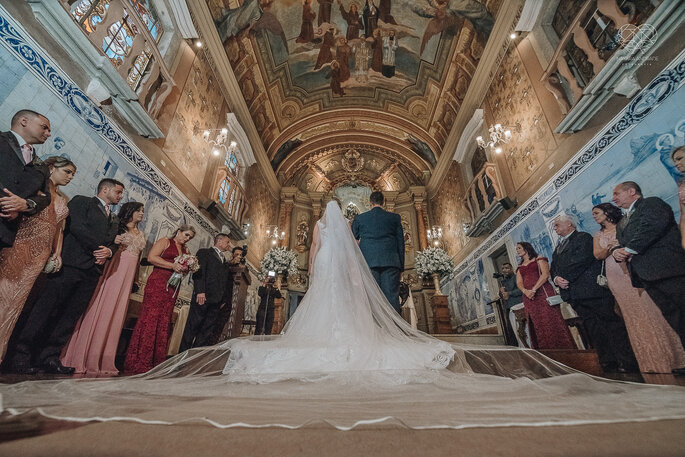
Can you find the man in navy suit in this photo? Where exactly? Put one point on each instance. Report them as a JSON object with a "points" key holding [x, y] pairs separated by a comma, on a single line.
{"points": [[381, 240]]}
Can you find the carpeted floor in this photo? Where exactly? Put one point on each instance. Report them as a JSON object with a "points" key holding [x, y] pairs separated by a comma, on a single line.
{"points": [[662, 438]]}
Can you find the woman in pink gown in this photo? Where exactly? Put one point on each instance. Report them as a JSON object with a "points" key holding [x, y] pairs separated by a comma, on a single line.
{"points": [[548, 329], [656, 345], [148, 346], [93, 346], [38, 240]]}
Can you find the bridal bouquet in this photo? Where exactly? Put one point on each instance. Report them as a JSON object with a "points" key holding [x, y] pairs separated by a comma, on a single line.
{"points": [[433, 260], [190, 265], [281, 260]]}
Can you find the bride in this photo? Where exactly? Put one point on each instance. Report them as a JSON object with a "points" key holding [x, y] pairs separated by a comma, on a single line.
{"points": [[343, 326]]}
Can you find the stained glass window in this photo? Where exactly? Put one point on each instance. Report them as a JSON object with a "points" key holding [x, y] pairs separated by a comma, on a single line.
{"points": [[231, 202], [149, 17], [223, 191], [232, 163], [89, 13], [136, 74], [117, 43]]}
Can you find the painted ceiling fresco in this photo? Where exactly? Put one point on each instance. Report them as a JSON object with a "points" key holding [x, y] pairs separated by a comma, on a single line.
{"points": [[317, 65]]}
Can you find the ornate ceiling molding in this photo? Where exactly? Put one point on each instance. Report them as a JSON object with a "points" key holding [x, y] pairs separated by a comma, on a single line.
{"points": [[314, 162], [388, 148], [351, 116], [495, 50]]}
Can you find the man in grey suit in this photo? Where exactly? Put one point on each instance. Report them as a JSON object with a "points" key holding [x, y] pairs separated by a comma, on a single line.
{"points": [[381, 240]]}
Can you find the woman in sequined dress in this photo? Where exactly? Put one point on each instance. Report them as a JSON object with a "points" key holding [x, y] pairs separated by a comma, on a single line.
{"points": [[39, 239], [93, 346]]}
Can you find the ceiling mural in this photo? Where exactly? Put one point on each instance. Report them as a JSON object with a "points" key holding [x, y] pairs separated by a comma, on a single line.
{"points": [[310, 67]]}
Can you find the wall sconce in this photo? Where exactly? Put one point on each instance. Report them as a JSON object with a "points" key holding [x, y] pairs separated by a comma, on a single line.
{"points": [[274, 234], [246, 228]]}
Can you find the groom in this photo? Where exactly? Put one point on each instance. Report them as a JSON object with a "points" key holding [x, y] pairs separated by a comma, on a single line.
{"points": [[382, 243]]}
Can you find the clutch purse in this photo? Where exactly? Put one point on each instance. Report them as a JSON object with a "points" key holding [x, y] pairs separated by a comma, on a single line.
{"points": [[554, 300], [601, 277], [51, 266]]}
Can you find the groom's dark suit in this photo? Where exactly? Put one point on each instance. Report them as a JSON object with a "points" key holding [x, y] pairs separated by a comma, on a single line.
{"points": [[650, 230], [66, 294], [382, 243], [211, 279], [573, 260]]}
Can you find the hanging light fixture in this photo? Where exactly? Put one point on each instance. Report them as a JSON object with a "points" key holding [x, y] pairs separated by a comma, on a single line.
{"points": [[498, 136]]}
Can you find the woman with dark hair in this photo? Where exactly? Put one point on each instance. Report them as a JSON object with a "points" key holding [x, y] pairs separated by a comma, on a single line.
{"points": [[93, 345], [149, 341], [37, 247], [656, 345], [547, 327]]}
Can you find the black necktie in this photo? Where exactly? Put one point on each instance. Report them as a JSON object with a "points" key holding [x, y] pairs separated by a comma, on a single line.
{"points": [[562, 244]]}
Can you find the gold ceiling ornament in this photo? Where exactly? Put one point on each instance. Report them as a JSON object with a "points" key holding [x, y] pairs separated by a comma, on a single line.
{"points": [[352, 161]]}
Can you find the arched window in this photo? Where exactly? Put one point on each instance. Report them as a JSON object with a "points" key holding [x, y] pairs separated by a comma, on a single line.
{"points": [[224, 189], [232, 163], [119, 40]]}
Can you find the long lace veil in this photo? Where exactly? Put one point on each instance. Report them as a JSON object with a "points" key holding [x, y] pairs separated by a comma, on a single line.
{"points": [[343, 326]]}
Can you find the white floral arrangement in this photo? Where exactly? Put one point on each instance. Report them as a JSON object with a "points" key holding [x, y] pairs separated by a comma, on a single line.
{"points": [[281, 260], [433, 260]]}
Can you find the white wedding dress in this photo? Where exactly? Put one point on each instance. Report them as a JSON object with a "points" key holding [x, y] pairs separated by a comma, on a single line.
{"points": [[346, 359], [343, 326]]}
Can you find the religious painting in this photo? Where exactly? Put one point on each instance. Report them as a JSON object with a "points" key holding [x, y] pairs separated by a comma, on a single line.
{"points": [[353, 47]]}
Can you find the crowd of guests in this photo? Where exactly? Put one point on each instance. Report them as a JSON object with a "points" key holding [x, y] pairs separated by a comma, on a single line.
{"points": [[625, 283], [91, 258]]}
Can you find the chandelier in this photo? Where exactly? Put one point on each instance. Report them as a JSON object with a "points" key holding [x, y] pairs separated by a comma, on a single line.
{"points": [[498, 135], [434, 235], [273, 232], [218, 138]]}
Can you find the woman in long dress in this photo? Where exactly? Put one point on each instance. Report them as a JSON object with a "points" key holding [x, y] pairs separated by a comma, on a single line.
{"points": [[39, 240], [148, 345], [548, 330], [93, 346], [344, 326], [656, 345]]}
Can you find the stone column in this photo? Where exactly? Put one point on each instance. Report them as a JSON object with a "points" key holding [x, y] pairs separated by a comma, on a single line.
{"points": [[287, 204], [390, 200], [419, 197]]}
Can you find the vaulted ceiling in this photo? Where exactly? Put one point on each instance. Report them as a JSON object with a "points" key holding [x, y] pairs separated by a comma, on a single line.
{"points": [[329, 91]]}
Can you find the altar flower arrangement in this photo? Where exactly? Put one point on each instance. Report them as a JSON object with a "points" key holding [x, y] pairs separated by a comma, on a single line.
{"points": [[280, 260], [190, 265], [434, 262]]}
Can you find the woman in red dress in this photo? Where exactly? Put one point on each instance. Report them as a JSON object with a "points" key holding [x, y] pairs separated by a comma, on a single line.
{"points": [[548, 330], [148, 346]]}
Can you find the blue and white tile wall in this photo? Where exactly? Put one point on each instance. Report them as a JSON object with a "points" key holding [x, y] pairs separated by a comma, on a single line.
{"points": [[83, 133], [634, 146]]}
